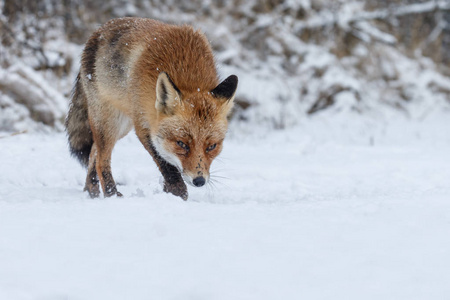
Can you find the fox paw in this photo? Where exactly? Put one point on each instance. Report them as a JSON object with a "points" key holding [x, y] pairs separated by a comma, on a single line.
{"points": [[112, 191], [178, 189], [93, 190]]}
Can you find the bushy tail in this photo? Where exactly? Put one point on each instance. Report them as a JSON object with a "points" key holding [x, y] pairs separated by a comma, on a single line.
{"points": [[77, 125]]}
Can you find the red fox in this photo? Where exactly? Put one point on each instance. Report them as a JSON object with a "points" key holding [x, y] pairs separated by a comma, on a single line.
{"points": [[160, 79]]}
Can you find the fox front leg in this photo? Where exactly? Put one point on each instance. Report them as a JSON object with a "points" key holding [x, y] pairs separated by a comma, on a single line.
{"points": [[173, 182], [101, 160], [92, 181]]}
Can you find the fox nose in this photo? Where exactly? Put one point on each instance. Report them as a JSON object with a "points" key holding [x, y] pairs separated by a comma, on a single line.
{"points": [[199, 181]]}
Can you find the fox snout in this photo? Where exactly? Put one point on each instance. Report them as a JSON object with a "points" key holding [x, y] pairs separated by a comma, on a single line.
{"points": [[199, 181]]}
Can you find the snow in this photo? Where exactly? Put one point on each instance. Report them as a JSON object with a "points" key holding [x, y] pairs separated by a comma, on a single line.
{"points": [[341, 207], [348, 202]]}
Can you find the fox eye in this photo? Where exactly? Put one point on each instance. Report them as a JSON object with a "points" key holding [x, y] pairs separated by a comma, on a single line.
{"points": [[211, 148], [183, 145]]}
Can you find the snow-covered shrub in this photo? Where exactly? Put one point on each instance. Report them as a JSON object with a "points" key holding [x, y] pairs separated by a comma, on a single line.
{"points": [[294, 58], [26, 95]]}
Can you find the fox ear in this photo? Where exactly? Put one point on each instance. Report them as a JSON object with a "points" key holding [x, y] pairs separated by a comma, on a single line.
{"points": [[226, 89], [167, 94]]}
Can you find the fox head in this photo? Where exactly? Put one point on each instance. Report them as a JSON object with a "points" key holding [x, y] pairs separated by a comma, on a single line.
{"points": [[192, 126]]}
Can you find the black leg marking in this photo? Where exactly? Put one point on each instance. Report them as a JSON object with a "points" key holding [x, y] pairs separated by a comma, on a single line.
{"points": [[92, 183], [173, 181], [110, 185]]}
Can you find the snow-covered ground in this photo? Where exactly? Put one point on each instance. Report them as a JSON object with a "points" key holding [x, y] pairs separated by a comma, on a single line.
{"points": [[330, 209]]}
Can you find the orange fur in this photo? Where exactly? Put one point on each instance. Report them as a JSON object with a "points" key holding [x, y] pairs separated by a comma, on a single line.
{"points": [[160, 79]]}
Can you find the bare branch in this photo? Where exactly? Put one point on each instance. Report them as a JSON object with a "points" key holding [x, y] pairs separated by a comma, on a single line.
{"points": [[321, 20]]}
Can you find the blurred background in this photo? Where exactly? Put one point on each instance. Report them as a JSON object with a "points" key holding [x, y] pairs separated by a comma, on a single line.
{"points": [[296, 59]]}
